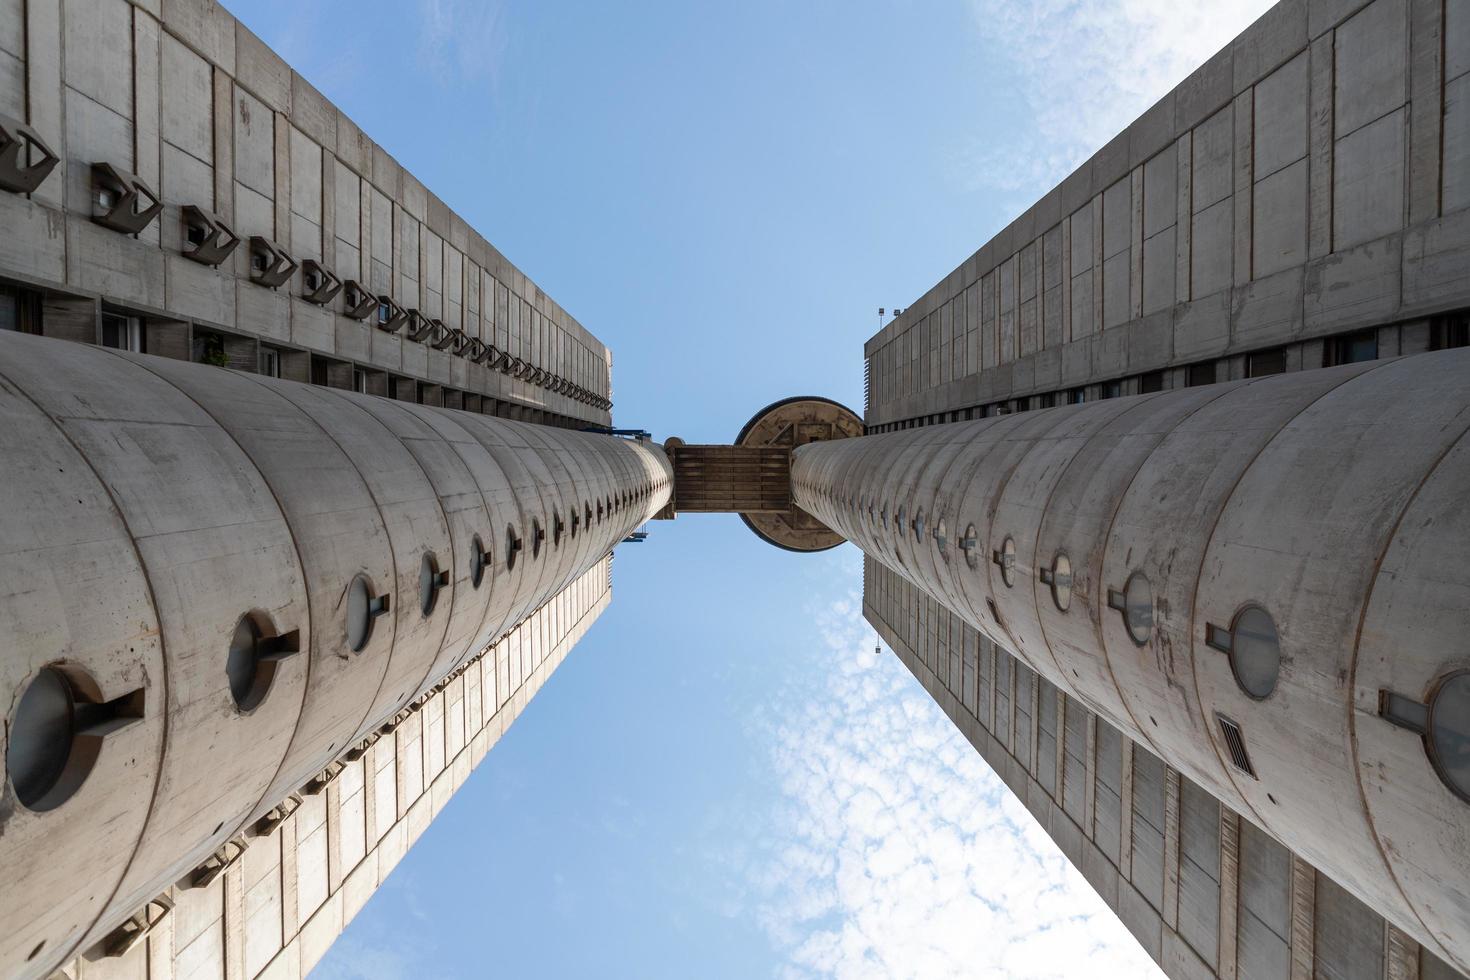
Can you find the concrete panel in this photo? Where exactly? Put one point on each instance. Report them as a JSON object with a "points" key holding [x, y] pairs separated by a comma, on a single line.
{"points": [[205, 26], [1212, 241], [1116, 308], [13, 29], [113, 265], [1279, 221], [1278, 34], [1437, 263], [35, 241], [198, 292], [1372, 52], [1199, 871], [1368, 182], [1456, 146], [255, 144], [306, 177], [1348, 936], [1267, 311], [12, 85], [347, 204], [93, 133], [1160, 192], [1117, 218], [188, 106], [1159, 267], [255, 214], [1081, 229], [1281, 101], [311, 111], [261, 70], [1213, 178], [183, 179], [1265, 906], [1359, 286], [99, 52], [1456, 38]]}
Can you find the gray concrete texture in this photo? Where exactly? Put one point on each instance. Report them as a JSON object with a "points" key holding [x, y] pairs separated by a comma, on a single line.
{"points": [[1310, 179], [1332, 499], [156, 502], [186, 98]]}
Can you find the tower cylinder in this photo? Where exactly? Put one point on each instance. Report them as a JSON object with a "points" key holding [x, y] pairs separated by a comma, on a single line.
{"points": [[1260, 582]]}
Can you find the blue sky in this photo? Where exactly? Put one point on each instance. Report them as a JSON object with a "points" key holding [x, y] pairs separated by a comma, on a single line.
{"points": [[723, 780]]}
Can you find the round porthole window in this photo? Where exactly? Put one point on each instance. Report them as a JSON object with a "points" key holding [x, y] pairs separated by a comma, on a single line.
{"points": [[430, 581], [1006, 559], [537, 536], [1138, 607], [919, 526], [42, 731], [970, 545], [1449, 733], [1061, 581], [512, 547], [477, 562], [900, 520], [557, 527], [941, 538], [359, 614], [1255, 652], [255, 651]]}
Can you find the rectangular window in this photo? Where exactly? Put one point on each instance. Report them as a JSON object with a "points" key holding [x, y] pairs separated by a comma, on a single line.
{"points": [[318, 371], [1355, 347], [1202, 374], [268, 362], [1076, 396], [1449, 331], [122, 332], [1151, 382], [9, 309], [1260, 364], [1112, 389], [359, 380]]}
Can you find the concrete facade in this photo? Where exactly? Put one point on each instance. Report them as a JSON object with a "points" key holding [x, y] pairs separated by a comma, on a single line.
{"points": [[183, 98], [231, 582], [1298, 200]]}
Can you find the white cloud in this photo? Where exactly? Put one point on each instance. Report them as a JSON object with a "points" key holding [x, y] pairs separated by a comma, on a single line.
{"points": [[461, 41], [1084, 70], [898, 852]]}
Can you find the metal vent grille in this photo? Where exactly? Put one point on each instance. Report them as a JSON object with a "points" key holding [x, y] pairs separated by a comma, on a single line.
{"points": [[1235, 741]]}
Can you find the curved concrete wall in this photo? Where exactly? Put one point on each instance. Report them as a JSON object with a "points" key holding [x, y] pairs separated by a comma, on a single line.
{"points": [[1335, 500], [150, 503]]}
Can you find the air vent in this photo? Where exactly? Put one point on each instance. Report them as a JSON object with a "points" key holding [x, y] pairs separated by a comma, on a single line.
{"points": [[1235, 741]]}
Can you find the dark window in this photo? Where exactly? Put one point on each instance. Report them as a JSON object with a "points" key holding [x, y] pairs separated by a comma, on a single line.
{"points": [[1449, 331], [1260, 364], [1112, 389], [1202, 374], [318, 371], [359, 380], [122, 332], [1151, 382], [20, 310], [1076, 396], [1355, 347]]}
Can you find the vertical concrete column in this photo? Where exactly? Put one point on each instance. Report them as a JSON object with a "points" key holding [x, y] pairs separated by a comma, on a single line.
{"points": [[220, 583], [1119, 549]]}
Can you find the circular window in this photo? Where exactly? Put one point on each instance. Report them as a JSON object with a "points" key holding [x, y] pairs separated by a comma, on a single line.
{"points": [[537, 536], [429, 583], [251, 673], [900, 519], [599, 512], [42, 731], [1061, 581], [970, 545], [941, 538], [883, 516], [919, 525], [576, 522], [588, 517], [557, 527], [1255, 652], [512, 547], [1138, 607], [1006, 559], [359, 614], [477, 562], [1449, 733]]}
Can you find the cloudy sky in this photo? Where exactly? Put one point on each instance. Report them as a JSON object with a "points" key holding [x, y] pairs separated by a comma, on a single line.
{"points": [[725, 779]]}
